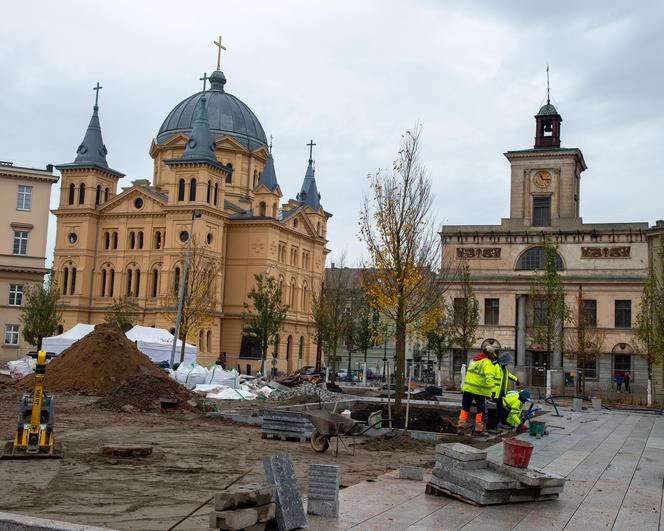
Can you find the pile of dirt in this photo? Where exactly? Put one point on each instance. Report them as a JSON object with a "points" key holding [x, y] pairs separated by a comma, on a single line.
{"points": [[145, 393], [96, 364]]}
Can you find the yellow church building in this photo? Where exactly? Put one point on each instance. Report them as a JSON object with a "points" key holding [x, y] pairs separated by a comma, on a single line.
{"points": [[210, 155]]}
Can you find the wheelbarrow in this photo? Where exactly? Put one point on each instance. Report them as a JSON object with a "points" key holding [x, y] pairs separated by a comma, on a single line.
{"points": [[327, 425]]}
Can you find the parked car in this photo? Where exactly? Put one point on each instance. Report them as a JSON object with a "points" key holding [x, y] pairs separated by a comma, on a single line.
{"points": [[342, 375]]}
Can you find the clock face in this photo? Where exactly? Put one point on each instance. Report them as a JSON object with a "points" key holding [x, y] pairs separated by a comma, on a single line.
{"points": [[542, 179]]}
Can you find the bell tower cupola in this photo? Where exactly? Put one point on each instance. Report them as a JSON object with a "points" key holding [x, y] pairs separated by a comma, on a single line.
{"points": [[547, 123]]}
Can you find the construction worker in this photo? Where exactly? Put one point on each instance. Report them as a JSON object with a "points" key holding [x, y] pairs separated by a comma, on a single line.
{"points": [[502, 375], [513, 407], [477, 387]]}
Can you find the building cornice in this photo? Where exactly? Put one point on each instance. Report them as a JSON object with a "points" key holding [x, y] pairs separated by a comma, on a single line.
{"points": [[33, 174]]}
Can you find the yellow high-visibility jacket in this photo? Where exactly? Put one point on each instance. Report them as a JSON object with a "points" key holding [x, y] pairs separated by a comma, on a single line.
{"points": [[512, 403], [501, 375], [479, 377]]}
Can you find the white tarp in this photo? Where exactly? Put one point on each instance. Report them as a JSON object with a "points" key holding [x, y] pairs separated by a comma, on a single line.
{"points": [[157, 343], [57, 344]]}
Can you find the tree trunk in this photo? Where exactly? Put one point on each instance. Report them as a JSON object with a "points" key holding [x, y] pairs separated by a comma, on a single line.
{"points": [[265, 369], [400, 369], [184, 344], [333, 363], [39, 344]]}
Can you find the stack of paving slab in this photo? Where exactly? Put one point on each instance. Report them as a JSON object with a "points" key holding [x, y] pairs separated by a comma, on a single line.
{"points": [[281, 424], [248, 507], [465, 473]]}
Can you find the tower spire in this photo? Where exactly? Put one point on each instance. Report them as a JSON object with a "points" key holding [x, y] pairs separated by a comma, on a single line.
{"points": [[200, 145], [97, 88], [311, 150], [548, 92], [309, 195]]}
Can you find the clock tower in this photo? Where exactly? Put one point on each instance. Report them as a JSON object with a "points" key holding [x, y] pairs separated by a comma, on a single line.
{"points": [[545, 180]]}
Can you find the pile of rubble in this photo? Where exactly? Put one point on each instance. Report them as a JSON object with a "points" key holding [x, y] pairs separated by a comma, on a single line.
{"points": [[297, 378], [306, 388]]}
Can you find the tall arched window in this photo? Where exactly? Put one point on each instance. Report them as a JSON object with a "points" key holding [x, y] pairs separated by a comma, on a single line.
{"points": [[73, 280], [111, 282], [216, 193], [137, 289], [140, 239], [292, 300], [261, 208], [65, 280], [208, 342], [181, 190], [105, 194], [107, 240], [81, 194], [98, 195], [300, 352], [157, 240], [277, 340], [229, 175], [535, 259], [129, 281], [305, 299], [132, 240], [209, 192], [72, 193], [155, 282], [289, 347], [103, 283], [176, 281], [255, 178], [192, 190]]}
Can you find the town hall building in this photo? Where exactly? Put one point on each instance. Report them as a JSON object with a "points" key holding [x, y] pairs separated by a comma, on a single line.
{"points": [[608, 262], [214, 180]]}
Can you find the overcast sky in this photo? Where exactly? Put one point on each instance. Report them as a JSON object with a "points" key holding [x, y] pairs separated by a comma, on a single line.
{"points": [[353, 75]]}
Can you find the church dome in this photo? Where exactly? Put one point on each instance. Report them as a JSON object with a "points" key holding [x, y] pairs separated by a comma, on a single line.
{"points": [[226, 113], [547, 110]]}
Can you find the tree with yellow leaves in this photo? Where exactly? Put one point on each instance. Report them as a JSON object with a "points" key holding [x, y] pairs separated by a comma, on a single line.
{"points": [[403, 245], [200, 301]]}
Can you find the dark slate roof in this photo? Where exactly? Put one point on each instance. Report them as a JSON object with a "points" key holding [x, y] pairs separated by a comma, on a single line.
{"points": [[269, 175], [226, 113], [309, 195], [200, 145], [547, 110], [91, 153]]}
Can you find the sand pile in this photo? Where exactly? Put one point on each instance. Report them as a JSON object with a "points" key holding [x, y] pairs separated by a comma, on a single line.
{"points": [[144, 393], [96, 364]]}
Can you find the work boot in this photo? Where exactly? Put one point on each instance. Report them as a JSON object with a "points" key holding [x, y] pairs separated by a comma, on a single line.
{"points": [[479, 427]]}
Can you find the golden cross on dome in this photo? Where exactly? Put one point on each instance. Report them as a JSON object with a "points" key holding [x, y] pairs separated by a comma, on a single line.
{"points": [[220, 46]]}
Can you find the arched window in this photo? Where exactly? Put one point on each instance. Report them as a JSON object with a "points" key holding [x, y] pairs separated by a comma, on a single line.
{"points": [[132, 240], [216, 193], [115, 240], [73, 280], [303, 304], [137, 290], [229, 175], [105, 194], [103, 283], [81, 194], [181, 190], [176, 282], [293, 299], [261, 208], [300, 353], [255, 178], [72, 193], [209, 191], [107, 240], [98, 195], [111, 282], [209, 340], [129, 280], [534, 259], [289, 347], [201, 342], [277, 340], [192, 190], [140, 239], [157, 240], [65, 280], [155, 282]]}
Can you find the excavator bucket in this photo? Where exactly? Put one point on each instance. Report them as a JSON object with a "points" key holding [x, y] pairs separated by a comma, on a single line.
{"points": [[10, 451]]}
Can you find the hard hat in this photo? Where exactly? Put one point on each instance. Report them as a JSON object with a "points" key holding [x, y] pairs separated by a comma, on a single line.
{"points": [[490, 350], [524, 395], [505, 358]]}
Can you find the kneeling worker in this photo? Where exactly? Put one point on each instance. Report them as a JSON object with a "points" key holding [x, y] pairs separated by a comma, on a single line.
{"points": [[477, 387], [502, 375], [513, 407]]}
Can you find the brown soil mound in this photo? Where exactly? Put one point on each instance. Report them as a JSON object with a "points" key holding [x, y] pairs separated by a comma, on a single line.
{"points": [[144, 393], [96, 364]]}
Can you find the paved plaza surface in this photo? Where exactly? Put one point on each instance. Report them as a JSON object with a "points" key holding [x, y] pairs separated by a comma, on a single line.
{"points": [[613, 462]]}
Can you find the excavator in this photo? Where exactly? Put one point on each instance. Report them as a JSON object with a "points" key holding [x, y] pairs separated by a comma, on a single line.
{"points": [[34, 435]]}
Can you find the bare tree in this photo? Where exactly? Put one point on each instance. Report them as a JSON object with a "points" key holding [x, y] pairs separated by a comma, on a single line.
{"points": [[200, 299], [398, 229], [583, 341]]}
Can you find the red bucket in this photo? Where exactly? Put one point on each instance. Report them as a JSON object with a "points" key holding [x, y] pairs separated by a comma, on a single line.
{"points": [[517, 453]]}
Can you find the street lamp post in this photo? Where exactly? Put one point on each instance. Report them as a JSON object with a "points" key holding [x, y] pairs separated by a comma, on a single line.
{"points": [[195, 214], [385, 357]]}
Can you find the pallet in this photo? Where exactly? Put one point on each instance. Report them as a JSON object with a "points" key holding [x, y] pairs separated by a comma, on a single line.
{"points": [[435, 490], [284, 437]]}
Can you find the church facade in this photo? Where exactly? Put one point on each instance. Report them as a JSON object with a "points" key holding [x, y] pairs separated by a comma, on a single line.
{"points": [[213, 181], [606, 262]]}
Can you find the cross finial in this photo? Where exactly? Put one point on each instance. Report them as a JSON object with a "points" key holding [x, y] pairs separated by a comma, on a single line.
{"points": [[311, 150], [204, 80], [97, 88], [220, 46], [548, 95], [270, 143]]}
